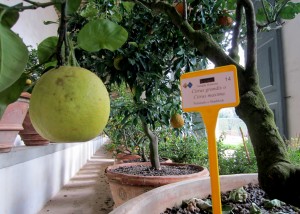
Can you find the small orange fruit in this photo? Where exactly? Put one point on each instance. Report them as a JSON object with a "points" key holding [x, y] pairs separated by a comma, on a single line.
{"points": [[180, 8], [225, 21], [177, 121]]}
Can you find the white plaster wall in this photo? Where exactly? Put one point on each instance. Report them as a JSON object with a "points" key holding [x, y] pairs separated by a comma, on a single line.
{"points": [[30, 26], [26, 187], [291, 48]]}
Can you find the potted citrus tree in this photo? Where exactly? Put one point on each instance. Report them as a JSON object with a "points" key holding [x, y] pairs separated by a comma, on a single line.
{"points": [[150, 69]]}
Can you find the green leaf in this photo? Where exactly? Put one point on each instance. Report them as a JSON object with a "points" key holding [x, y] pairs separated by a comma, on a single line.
{"points": [[238, 195], [254, 209], [47, 49], [90, 10], [72, 6], [269, 204], [13, 57], [226, 209], [128, 6], [290, 10], [9, 18], [260, 16], [12, 93], [101, 34]]}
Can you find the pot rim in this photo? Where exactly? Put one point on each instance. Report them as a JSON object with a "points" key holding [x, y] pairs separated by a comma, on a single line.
{"points": [[112, 167]]}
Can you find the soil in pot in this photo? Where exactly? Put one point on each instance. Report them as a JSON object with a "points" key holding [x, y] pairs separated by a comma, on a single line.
{"points": [[130, 158], [246, 200], [166, 170]]}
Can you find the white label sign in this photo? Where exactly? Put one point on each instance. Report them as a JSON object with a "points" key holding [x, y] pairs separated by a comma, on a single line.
{"points": [[209, 90]]}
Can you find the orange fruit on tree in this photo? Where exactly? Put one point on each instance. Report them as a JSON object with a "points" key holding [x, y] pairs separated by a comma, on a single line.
{"points": [[180, 8], [224, 21], [177, 120]]}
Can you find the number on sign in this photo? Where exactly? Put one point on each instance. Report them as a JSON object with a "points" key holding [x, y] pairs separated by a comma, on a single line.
{"points": [[228, 78]]}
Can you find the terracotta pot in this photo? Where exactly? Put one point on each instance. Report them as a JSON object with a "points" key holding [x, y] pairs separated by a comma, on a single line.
{"points": [[29, 136], [124, 187], [157, 200], [127, 158], [11, 123]]}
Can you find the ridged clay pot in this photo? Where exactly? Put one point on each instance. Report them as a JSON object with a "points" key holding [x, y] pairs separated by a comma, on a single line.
{"points": [[125, 187], [11, 123]]}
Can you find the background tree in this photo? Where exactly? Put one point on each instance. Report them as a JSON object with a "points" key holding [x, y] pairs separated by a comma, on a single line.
{"points": [[277, 176]]}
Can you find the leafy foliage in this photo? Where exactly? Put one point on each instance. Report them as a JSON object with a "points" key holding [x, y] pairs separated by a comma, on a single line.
{"points": [[194, 150]]}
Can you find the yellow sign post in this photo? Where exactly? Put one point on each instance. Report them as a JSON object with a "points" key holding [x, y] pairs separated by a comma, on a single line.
{"points": [[206, 92]]}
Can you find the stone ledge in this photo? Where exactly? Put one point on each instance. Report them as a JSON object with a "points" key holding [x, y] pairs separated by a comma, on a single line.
{"points": [[21, 154]]}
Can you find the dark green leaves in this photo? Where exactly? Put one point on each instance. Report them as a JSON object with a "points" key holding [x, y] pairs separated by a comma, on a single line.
{"points": [[13, 57], [9, 18], [47, 49], [128, 6], [72, 6], [101, 34], [290, 10]]}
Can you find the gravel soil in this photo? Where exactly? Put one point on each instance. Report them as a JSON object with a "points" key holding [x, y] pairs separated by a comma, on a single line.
{"points": [[142, 170], [255, 195]]}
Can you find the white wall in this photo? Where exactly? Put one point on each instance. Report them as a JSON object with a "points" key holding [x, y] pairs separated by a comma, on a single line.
{"points": [[291, 49], [36, 178], [30, 25]]}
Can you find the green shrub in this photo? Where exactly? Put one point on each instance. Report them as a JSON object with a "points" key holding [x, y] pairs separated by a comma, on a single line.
{"points": [[194, 150], [234, 159]]}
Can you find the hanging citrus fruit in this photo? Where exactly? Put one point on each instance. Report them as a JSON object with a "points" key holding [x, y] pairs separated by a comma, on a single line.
{"points": [[28, 81], [69, 104], [180, 8], [224, 19], [177, 121]]}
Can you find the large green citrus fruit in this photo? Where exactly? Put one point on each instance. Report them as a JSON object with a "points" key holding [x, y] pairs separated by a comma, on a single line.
{"points": [[69, 104]]}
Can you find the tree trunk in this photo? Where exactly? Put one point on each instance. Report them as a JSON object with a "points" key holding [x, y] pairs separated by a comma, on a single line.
{"points": [[154, 157], [277, 176]]}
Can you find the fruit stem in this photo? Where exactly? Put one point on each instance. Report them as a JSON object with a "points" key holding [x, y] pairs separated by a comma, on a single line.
{"points": [[61, 35], [72, 61]]}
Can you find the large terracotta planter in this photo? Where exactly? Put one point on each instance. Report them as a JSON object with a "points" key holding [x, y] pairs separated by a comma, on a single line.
{"points": [[157, 200], [11, 123], [124, 187], [126, 158], [29, 136]]}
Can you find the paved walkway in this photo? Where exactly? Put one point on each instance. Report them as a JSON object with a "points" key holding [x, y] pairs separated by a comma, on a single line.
{"points": [[87, 192]]}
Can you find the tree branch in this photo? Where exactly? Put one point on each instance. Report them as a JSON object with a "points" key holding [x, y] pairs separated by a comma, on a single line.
{"points": [[200, 39], [61, 35], [154, 157], [234, 51], [33, 6], [251, 61]]}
